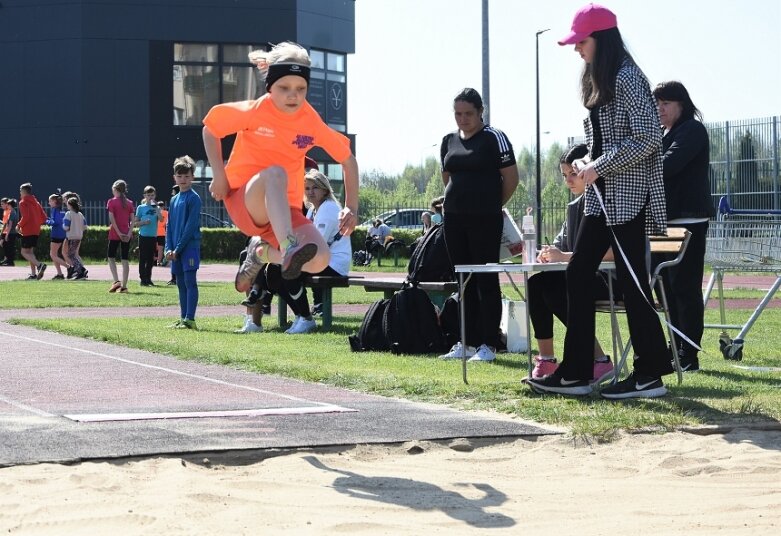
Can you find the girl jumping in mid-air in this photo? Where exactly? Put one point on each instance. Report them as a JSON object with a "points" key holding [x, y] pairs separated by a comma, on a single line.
{"points": [[262, 184]]}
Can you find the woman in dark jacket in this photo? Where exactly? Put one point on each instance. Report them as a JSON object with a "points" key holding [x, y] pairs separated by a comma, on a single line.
{"points": [[686, 161]]}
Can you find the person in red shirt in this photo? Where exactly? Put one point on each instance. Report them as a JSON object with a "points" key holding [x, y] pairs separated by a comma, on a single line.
{"points": [[31, 217], [262, 185]]}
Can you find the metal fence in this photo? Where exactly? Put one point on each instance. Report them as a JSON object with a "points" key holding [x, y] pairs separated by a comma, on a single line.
{"points": [[95, 211], [744, 162]]}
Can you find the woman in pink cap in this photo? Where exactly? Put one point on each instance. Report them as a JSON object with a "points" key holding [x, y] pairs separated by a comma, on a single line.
{"points": [[624, 202]]}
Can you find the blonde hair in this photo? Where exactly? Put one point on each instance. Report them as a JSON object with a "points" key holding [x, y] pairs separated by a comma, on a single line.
{"points": [[322, 182], [286, 52]]}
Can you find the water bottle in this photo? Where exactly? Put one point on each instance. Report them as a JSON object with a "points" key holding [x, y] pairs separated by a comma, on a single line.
{"points": [[529, 238]]}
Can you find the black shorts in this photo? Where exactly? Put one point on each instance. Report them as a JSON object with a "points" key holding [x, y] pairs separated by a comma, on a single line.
{"points": [[57, 240], [161, 240], [124, 248], [29, 241]]}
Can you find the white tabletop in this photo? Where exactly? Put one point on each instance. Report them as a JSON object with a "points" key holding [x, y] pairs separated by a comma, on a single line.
{"points": [[502, 267]]}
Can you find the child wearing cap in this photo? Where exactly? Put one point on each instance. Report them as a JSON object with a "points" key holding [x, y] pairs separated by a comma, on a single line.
{"points": [[261, 185]]}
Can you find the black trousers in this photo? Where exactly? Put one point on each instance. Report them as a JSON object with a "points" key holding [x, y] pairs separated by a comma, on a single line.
{"points": [[645, 329], [147, 252], [683, 287], [548, 298], [9, 247], [475, 239]]}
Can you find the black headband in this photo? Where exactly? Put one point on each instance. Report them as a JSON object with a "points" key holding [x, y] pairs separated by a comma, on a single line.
{"points": [[278, 70]]}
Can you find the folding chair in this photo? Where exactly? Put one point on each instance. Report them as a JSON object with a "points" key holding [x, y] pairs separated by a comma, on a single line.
{"points": [[676, 242]]}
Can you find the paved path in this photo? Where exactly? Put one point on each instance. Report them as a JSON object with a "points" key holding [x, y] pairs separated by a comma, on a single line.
{"points": [[227, 272]]}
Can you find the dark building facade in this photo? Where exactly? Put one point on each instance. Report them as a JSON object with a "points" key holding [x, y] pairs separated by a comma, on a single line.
{"points": [[103, 89]]}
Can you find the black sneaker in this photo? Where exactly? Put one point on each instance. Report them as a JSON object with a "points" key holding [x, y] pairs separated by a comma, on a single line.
{"points": [[81, 275], [32, 277], [40, 270], [70, 273], [58, 276], [554, 383], [317, 309], [172, 281], [689, 364], [251, 299], [635, 386]]}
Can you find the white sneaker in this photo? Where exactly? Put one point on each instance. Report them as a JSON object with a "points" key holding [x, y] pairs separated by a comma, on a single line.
{"points": [[484, 353], [302, 326], [249, 326], [293, 324], [455, 352]]}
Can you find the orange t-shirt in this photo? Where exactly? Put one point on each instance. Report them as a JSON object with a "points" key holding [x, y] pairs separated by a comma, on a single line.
{"points": [[162, 222], [268, 137]]}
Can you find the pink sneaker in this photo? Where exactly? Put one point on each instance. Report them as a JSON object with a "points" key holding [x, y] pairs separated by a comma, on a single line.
{"points": [[603, 370], [543, 367]]}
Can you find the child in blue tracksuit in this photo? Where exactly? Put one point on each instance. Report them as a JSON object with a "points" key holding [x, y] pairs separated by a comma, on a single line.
{"points": [[183, 241]]}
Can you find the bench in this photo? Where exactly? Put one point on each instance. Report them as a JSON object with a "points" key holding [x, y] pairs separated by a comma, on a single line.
{"points": [[438, 291], [327, 284]]}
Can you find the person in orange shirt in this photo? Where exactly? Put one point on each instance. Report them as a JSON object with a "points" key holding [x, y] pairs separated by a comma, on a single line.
{"points": [[262, 185], [161, 223], [31, 217]]}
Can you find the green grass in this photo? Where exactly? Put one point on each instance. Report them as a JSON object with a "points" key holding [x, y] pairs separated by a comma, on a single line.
{"points": [[720, 394]]}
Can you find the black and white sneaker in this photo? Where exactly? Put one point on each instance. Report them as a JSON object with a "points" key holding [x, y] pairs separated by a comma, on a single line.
{"points": [[556, 384], [689, 364], [635, 386]]}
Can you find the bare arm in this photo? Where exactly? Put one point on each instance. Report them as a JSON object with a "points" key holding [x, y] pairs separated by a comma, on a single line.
{"points": [[219, 186], [348, 217]]}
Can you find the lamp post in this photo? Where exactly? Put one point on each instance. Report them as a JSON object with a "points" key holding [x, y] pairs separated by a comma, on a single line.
{"points": [[538, 176]]}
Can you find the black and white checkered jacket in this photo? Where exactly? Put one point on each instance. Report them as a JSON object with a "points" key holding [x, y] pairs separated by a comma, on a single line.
{"points": [[631, 160]]}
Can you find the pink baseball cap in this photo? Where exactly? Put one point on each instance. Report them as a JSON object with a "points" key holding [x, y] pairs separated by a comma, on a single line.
{"points": [[589, 19]]}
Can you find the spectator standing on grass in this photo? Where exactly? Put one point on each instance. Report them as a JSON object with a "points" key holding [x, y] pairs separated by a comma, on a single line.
{"points": [[120, 232], [65, 253], [162, 221], [480, 175], [625, 171], [686, 164], [183, 241], [147, 217], [9, 234], [75, 225], [31, 217], [56, 234]]}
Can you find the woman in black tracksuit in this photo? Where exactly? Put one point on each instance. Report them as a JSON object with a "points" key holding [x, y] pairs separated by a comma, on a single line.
{"points": [[480, 176]]}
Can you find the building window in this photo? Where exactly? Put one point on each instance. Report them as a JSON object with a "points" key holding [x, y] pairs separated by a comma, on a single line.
{"points": [[328, 88], [208, 74]]}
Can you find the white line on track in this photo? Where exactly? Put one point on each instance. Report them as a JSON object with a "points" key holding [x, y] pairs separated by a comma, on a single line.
{"points": [[164, 369]]}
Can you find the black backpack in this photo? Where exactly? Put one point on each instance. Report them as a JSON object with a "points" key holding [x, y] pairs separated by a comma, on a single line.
{"points": [[430, 260], [449, 320], [371, 335], [410, 323]]}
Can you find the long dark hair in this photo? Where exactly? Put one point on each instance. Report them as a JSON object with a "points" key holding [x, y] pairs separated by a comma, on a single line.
{"points": [[573, 153], [598, 81], [676, 92]]}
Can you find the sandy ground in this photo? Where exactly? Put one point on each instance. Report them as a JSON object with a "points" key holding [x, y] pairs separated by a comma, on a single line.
{"points": [[675, 483]]}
